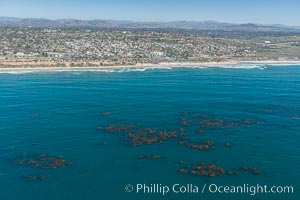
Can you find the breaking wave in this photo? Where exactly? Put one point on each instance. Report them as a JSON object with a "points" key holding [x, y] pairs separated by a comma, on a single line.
{"points": [[130, 69]]}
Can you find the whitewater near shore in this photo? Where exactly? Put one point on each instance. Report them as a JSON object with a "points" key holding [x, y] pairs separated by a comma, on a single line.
{"points": [[146, 66]]}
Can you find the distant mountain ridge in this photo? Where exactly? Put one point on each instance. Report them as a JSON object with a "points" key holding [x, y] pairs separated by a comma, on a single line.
{"points": [[98, 23]]}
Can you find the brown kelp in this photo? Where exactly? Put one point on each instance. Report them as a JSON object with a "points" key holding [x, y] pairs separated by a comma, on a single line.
{"points": [[42, 161], [212, 170]]}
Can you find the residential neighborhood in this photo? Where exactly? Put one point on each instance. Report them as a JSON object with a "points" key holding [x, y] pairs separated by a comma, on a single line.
{"points": [[131, 46]]}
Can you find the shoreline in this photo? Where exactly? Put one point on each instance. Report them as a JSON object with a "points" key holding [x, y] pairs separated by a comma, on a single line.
{"points": [[229, 64]]}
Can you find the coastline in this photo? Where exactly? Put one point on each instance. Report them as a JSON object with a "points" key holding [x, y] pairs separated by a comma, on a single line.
{"points": [[65, 67]]}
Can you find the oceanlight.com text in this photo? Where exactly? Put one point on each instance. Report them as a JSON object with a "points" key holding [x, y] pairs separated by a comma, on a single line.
{"points": [[208, 188]]}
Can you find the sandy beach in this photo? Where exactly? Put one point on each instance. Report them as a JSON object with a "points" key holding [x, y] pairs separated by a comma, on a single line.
{"points": [[45, 67]]}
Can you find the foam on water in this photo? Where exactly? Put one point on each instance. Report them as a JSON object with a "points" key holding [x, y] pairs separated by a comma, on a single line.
{"points": [[244, 66], [130, 69]]}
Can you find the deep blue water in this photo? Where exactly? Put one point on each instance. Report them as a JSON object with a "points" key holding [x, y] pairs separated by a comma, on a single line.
{"points": [[58, 114]]}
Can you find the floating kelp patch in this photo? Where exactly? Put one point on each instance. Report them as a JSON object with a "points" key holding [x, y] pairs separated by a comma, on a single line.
{"points": [[106, 113], [211, 122], [150, 136], [203, 169], [253, 170], [34, 177], [203, 147], [227, 144], [211, 170], [152, 157], [181, 162], [34, 116], [201, 131], [42, 161], [137, 135]]}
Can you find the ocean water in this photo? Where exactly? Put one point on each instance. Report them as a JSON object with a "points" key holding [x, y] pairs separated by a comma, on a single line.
{"points": [[67, 114]]}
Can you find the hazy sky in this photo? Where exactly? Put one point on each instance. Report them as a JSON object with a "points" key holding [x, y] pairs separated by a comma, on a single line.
{"points": [[239, 11]]}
